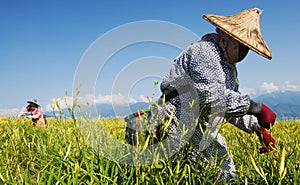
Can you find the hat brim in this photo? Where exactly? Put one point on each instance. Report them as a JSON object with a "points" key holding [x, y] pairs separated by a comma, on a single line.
{"points": [[29, 101], [243, 27]]}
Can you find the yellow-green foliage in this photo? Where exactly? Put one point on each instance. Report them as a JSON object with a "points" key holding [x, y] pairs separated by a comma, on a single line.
{"points": [[116, 127], [60, 154], [281, 166]]}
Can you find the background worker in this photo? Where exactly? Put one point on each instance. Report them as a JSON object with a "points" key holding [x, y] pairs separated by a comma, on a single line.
{"points": [[34, 111]]}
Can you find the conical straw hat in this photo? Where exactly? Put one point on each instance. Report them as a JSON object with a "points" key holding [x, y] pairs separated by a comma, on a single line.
{"points": [[34, 101], [245, 27]]}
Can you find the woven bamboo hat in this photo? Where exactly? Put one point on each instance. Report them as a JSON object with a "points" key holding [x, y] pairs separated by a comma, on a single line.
{"points": [[33, 101], [244, 27]]}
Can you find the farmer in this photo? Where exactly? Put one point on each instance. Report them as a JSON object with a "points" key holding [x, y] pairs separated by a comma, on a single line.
{"points": [[34, 111], [206, 72]]}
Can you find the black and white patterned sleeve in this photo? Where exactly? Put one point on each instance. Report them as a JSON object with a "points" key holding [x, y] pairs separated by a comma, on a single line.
{"points": [[212, 80], [247, 123]]}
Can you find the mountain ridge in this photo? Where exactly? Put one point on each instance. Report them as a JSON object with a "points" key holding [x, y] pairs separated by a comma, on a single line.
{"points": [[286, 105]]}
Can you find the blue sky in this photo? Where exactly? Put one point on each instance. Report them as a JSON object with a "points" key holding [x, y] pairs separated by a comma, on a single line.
{"points": [[43, 42]]}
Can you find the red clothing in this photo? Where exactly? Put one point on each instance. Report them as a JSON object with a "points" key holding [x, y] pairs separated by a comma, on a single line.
{"points": [[36, 115]]}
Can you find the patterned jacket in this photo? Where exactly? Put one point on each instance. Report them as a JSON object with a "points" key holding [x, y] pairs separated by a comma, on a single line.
{"points": [[214, 81]]}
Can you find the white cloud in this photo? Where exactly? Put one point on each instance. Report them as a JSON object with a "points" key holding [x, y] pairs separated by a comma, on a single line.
{"points": [[108, 99], [59, 101], [290, 87], [9, 112], [64, 102], [269, 87], [142, 98], [249, 91], [117, 99], [113, 99], [272, 87]]}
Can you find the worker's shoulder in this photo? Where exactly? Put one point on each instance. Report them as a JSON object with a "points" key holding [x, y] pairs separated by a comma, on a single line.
{"points": [[202, 46]]}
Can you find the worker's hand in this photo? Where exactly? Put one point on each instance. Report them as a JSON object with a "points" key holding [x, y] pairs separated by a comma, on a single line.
{"points": [[264, 114], [266, 117], [267, 140]]}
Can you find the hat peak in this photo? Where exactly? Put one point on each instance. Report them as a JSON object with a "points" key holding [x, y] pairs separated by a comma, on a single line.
{"points": [[244, 27]]}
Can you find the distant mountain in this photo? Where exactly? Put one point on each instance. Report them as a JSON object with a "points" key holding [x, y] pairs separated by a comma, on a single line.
{"points": [[286, 104], [281, 97], [108, 110], [287, 111]]}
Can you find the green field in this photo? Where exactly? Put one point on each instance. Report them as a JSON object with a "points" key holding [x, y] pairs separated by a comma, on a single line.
{"points": [[60, 155]]}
